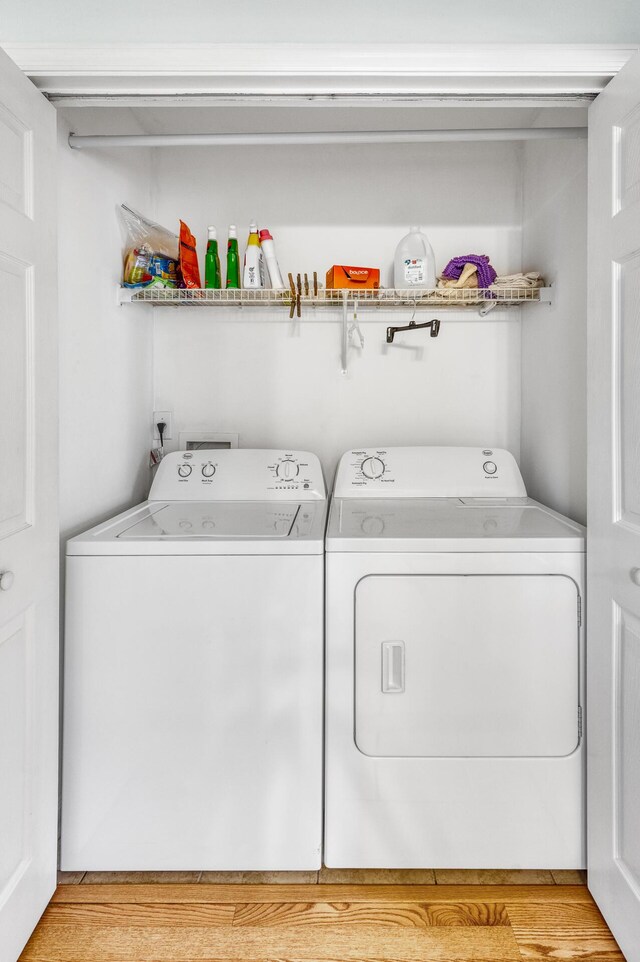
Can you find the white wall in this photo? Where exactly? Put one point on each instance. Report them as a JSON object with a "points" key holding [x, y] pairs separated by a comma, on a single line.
{"points": [[105, 352], [554, 339], [279, 384], [497, 21]]}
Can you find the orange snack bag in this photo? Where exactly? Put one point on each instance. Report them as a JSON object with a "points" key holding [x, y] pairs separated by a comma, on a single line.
{"points": [[188, 258]]}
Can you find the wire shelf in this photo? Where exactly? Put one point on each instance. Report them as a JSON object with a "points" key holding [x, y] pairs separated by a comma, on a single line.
{"points": [[485, 299]]}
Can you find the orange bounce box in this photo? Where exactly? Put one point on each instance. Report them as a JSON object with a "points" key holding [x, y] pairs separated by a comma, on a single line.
{"points": [[340, 276]]}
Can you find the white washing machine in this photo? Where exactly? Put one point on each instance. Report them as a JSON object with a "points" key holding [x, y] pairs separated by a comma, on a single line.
{"points": [[455, 666], [194, 671]]}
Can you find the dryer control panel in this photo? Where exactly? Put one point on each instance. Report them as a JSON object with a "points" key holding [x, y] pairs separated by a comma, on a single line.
{"points": [[429, 472], [239, 474]]}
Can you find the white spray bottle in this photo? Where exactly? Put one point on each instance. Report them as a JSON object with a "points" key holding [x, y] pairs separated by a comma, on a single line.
{"points": [[269, 251], [253, 274]]}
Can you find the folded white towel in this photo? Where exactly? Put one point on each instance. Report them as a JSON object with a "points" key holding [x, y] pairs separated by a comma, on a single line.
{"points": [[531, 279]]}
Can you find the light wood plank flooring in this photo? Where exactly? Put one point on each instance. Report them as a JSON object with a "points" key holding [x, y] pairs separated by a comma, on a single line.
{"points": [[204, 922]]}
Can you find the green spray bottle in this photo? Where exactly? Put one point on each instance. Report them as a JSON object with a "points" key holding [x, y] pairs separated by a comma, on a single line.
{"points": [[233, 258], [212, 276]]}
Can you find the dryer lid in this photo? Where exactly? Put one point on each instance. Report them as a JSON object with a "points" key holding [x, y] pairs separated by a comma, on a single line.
{"points": [[450, 524]]}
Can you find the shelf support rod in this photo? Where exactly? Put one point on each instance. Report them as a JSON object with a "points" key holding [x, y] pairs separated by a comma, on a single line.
{"points": [[78, 141]]}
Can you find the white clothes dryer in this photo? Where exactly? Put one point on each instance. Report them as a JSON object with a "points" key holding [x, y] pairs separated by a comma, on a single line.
{"points": [[194, 671], [455, 666]]}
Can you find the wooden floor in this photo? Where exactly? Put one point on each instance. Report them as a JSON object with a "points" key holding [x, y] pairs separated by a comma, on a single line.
{"points": [[185, 922]]}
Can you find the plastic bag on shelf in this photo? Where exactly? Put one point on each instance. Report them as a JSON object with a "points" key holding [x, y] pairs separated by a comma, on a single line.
{"points": [[189, 268], [151, 252]]}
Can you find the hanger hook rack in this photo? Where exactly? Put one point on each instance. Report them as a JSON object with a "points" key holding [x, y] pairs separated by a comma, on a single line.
{"points": [[434, 324]]}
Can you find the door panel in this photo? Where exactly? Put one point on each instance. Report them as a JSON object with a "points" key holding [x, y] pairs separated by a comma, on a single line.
{"points": [[28, 509], [467, 665], [626, 293], [627, 726], [16, 170], [14, 734], [627, 161], [613, 641], [16, 385]]}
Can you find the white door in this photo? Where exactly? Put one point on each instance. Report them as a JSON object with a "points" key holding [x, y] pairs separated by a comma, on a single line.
{"points": [[467, 666], [28, 509], [613, 595]]}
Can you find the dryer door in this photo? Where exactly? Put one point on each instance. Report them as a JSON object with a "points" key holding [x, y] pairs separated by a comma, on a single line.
{"points": [[467, 665]]}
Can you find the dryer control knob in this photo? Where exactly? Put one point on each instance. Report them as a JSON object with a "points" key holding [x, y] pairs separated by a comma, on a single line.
{"points": [[372, 467], [490, 467], [208, 470], [184, 470]]}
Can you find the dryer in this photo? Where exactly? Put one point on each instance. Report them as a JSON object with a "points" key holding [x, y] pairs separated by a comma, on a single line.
{"points": [[194, 671], [455, 666]]}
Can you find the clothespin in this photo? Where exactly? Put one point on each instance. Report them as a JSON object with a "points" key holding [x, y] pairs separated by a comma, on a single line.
{"points": [[293, 296]]}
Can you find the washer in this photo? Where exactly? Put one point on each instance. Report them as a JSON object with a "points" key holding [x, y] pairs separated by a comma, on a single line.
{"points": [[194, 671], [455, 657]]}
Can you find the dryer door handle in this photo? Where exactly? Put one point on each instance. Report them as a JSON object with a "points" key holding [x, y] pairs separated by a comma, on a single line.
{"points": [[392, 667]]}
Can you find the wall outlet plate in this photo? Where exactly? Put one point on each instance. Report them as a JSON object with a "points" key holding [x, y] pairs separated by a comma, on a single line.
{"points": [[167, 417]]}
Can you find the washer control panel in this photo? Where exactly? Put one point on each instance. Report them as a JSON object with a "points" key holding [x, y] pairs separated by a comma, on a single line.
{"points": [[290, 471], [238, 474], [428, 472]]}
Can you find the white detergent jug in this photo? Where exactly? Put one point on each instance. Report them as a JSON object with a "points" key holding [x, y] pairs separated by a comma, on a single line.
{"points": [[414, 264]]}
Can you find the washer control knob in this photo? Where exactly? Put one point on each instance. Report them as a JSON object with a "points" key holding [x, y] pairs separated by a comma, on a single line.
{"points": [[6, 580], [184, 470], [287, 470], [208, 470], [490, 467], [372, 467]]}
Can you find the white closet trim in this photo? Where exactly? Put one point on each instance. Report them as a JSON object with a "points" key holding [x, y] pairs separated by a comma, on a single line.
{"points": [[342, 70]]}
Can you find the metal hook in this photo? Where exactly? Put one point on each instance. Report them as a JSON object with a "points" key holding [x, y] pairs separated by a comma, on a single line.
{"points": [[354, 328]]}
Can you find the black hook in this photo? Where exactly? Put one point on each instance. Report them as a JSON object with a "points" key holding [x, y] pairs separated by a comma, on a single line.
{"points": [[412, 326]]}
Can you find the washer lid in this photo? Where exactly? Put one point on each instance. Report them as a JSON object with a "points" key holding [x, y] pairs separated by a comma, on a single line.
{"points": [[231, 519], [207, 528], [450, 524]]}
